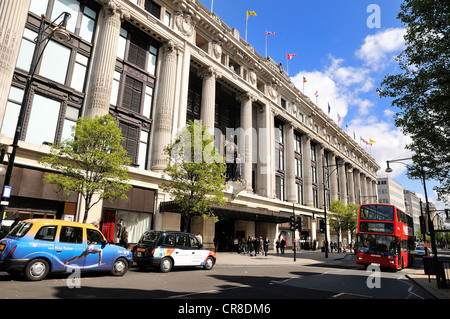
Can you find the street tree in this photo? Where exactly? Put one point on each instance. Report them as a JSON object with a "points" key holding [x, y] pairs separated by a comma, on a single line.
{"points": [[92, 162], [421, 90], [337, 214], [195, 173]]}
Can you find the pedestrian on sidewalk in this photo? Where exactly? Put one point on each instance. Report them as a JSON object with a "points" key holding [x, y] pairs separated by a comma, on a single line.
{"points": [[266, 245], [282, 245]]}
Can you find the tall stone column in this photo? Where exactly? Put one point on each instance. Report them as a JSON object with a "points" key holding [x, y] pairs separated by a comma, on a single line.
{"points": [[165, 104], [362, 185], [186, 64], [333, 176], [307, 173], [208, 104], [343, 182], [98, 95], [290, 164], [264, 170], [351, 187], [357, 174], [320, 161], [13, 16], [245, 142]]}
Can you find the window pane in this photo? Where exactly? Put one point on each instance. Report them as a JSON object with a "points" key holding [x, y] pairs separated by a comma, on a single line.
{"points": [[79, 73], [87, 28], [67, 129], [43, 110], [55, 61], [122, 44], [38, 6], [70, 6], [26, 50], [10, 119], [12, 112], [148, 102]]}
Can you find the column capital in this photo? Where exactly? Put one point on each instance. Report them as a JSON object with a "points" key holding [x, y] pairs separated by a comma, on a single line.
{"points": [[113, 7], [208, 71], [244, 97]]}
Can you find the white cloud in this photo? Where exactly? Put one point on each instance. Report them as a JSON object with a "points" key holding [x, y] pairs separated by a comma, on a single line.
{"points": [[379, 49], [338, 86], [389, 143]]}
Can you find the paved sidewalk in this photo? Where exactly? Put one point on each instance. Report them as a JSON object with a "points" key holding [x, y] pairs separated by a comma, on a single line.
{"points": [[228, 259]]}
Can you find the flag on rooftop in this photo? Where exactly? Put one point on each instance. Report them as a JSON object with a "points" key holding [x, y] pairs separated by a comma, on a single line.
{"points": [[251, 13], [289, 56]]}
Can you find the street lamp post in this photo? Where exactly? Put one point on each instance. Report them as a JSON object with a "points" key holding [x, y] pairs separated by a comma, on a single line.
{"points": [[430, 224], [59, 32], [325, 200]]}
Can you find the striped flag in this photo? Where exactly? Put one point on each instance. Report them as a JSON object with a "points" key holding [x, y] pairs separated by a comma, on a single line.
{"points": [[270, 32], [290, 56]]}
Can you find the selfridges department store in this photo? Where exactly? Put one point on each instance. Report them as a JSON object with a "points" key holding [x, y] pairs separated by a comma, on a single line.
{"points": [[155, 65]]}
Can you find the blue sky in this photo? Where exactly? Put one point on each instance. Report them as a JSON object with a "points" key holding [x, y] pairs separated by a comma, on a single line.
{"points": [[342, 57]]}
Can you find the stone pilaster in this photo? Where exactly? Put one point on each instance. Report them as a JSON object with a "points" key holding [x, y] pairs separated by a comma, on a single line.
{"points": [[98, 95], [165, 106], [13, 16]]}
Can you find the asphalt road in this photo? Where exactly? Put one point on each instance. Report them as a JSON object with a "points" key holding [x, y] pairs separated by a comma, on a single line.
{"points": [[233, 282]]}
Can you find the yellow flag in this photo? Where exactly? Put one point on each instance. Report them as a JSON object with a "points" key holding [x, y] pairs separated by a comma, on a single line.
{"points": [[251, 13], [371, 141]]}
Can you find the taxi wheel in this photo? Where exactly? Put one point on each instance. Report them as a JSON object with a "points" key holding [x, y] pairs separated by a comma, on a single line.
{"points": [[120, 267], [166, 264], [209, 263], [37, 269]]}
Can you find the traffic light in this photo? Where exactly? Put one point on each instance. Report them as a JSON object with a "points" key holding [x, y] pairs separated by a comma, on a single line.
{"points": [[424, 230], [298, 223], [292, 223], [322, 225]]}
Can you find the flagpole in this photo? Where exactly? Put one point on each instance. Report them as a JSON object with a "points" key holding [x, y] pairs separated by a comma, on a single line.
{"points": [[246, 24], [287, 63], [266, 44], [212, 5]]}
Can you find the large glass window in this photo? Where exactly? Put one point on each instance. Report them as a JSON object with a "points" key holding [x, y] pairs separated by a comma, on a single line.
{"points": [[55, 61], [43, 110], [61, 65], [133, 85]]}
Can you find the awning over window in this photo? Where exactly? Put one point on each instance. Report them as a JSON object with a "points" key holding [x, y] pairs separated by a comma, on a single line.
{"points": [[242, 212]]}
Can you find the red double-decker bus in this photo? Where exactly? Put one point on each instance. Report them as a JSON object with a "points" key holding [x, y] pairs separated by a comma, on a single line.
{"points": [[385, 237]]}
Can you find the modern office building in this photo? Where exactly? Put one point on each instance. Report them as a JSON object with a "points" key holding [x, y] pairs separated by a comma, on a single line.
{"points": [[412, 204], [154, 65], [390, 192]]}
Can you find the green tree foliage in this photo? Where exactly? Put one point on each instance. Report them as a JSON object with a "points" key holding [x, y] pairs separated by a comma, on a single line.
{"points": [[196, 173], [92, 163], [343, 217], [422, 90]]}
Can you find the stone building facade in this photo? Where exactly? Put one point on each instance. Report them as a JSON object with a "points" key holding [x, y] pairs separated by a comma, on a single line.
{"points": [[154, 65]]}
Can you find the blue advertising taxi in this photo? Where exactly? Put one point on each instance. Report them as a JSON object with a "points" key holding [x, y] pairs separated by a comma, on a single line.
{"points": [[36, 247]]}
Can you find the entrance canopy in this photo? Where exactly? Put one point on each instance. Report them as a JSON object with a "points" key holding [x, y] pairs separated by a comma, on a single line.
{"points": [[235, 211]]}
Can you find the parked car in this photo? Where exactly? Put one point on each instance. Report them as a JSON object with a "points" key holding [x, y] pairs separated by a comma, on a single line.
{"points": [[422, 251], [168, 249], [36, 247]]}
